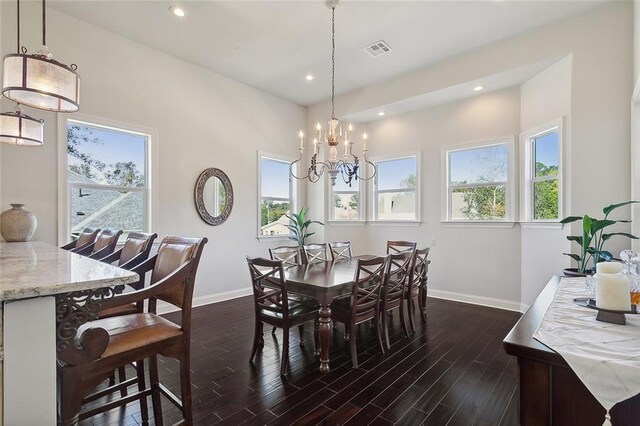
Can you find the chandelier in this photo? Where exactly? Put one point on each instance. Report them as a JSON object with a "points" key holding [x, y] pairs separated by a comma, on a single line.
{"points": [[17, 128], [39, 81], [348, 166]]}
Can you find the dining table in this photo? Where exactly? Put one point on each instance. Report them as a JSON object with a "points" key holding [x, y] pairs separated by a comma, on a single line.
{"points": [[324, 282]]}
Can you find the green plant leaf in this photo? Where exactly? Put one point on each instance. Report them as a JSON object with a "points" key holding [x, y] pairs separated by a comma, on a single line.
{"points": [[575, 238], [573, 256], [597, 225], [570, 219], [612, 207], [605, 237], [600, 254]]}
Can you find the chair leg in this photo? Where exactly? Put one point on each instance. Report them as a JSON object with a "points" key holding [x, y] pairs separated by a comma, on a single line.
{"points": [[273, 331], [354, 350], [423, 302], [316, 338], [403, 319], [144, 411], [185, 384], [112, 379], [257, 339], [385, 327], [412, 313], [155, 390], [381, 345], [347, 332], [285, 351], [122, 376], [301, 331], [69, 396]]}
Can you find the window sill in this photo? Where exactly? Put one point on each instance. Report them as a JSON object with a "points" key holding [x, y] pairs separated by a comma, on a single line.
{"points": [[267, 238], [347, 222], [415, 223], [477, 224], [541, 225]]}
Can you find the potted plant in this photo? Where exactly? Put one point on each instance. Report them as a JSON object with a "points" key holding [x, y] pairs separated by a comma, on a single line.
{"points": [[299, 226], [592, 240]]}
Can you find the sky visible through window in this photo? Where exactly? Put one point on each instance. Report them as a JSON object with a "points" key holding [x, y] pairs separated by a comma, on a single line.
{"points": [[393, 174], [476, 165], [547, 149], [275, 179]]}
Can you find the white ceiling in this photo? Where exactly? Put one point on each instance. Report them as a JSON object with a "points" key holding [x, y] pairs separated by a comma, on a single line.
{"points": [[272, 45]]}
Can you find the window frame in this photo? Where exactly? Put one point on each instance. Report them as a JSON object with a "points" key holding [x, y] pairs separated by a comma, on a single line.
{"points": [[293, 193], [151, 170], [373, 190], [527, 175], [510, 196]]}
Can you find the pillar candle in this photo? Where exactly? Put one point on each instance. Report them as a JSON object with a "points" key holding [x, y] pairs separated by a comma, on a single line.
{"points": [[609, 267], [612, 291]]}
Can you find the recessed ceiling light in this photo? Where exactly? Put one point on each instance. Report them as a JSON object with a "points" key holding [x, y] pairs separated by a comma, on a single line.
{"points": [[478, 88], [308, 77], [178, 11], [381, 113]]}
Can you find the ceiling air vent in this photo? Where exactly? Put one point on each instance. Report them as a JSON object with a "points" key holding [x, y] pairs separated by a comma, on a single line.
{"points": [[378, 48]]}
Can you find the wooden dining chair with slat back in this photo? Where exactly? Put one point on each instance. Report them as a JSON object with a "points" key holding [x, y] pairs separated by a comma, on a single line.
{"points": [[273, 306], [417, 285], [315, 253], [104, 245], [340, 250], [364, 303], [394, 290], [85, 239], [289, 255], [123, 340], [400, 246]]}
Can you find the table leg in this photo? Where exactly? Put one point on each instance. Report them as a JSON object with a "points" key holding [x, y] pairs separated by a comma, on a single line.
{"points": [[324, 331]]}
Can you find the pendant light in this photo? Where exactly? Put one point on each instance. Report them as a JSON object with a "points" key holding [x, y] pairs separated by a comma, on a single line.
{"points": [[17, 128], [39, 81]]}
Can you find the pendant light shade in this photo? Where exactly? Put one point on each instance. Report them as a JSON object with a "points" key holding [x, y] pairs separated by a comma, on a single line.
{"points": [[40, 82], [17, 128]]}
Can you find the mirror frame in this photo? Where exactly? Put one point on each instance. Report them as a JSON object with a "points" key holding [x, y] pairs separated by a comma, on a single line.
{"points": [[199, 196]]}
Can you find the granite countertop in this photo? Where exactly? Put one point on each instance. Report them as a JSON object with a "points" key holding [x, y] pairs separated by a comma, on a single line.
{"points": [[36, 269]]}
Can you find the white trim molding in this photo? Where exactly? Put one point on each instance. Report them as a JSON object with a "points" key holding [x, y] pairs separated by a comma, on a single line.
{"points": [[165, 308], [509, 305], [294, 194]]}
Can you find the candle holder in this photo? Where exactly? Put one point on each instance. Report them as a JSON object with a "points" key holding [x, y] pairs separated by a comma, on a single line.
{"points": [[605, 315]]}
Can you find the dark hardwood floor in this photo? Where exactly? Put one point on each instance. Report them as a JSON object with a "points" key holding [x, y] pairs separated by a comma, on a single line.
{"points": [[452, 371]]}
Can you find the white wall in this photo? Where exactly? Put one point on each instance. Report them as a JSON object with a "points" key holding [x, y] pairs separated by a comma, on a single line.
{"points": [[203, 120]]}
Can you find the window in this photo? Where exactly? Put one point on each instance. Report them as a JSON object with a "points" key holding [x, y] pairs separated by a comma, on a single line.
{"points": [[346, 200], [541, 173], [396, 195], [107, 177], [276, 197], [478, 184]]}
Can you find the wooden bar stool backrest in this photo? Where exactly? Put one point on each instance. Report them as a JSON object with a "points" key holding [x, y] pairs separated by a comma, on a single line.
{"points": [[367, 284], [105, 243], [315, 253], [341, 250], [397, 276], [289, 255], [400, 246], [136, 246], [86, 238], [269, 287], [419, 268]]}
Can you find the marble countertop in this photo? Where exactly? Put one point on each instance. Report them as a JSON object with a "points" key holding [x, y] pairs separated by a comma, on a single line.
{"points": [[37, 269]]}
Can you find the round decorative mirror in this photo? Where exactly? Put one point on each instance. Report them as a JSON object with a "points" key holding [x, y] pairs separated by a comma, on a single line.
{"points": [[214, 196]]}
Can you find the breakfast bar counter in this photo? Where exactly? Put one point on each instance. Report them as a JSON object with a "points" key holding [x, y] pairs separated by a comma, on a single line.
{"points": [[44, 292]]}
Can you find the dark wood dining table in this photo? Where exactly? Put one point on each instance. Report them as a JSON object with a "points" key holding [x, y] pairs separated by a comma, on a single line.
{"points": [[323, 281]]}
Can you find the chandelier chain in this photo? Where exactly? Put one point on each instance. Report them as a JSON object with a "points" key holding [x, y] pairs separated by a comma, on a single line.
{"points": [[18, 15], [44, 24], [333, 62]]}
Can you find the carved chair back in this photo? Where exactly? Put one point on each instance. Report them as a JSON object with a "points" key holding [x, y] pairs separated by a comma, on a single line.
{"points": [[105, 243], [367, 286], [400, 246], [137, 246], [315, 253], [341, 250], [397, 277], [269, 286], [289, 255], [419, 268], [87, 237]]}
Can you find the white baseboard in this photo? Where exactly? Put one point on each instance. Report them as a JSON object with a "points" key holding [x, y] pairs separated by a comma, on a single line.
{"points": [[475, 300], [165, 308]]}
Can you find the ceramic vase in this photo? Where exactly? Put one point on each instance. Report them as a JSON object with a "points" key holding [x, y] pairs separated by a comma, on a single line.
{"points": [[17, 224]]}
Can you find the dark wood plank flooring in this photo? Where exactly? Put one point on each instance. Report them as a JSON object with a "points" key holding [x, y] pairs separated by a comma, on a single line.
{"points": [[452, 371]]}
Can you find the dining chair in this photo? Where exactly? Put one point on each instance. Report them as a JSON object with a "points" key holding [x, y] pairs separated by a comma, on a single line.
{"points": [[315, 253], [364, 303], [127, 339], [400, 246], [340, 250], [273, 306], [289, 255], [417, 285], [104, 245], [87, 237], [394, 289]]}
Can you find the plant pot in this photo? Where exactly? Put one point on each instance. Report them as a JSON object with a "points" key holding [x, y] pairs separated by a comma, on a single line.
{"points": [[17, 224], [573, 272]]}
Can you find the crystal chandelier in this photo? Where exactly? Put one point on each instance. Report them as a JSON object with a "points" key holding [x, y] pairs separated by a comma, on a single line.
{"points": [[348, 166], [39, 81]]}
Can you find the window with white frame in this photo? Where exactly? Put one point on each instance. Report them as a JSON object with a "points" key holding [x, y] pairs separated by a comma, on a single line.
{"points": [[542, 173], [346, 201], [107, 171], [478, 183], [396, 189], [276, 195]]}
